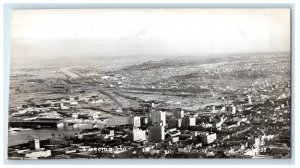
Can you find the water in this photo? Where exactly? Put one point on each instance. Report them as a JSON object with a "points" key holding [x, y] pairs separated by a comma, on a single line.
{"points": [[19, 137]]}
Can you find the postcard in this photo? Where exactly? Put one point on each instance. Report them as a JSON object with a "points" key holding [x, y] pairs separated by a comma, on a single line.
{"points": [[158, 83]]}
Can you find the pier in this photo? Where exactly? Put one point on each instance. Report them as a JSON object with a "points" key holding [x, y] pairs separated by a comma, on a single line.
{"points": [[34, 124]]}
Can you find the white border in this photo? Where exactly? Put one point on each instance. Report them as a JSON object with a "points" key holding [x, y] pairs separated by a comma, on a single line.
{"points": [[296, 69]]}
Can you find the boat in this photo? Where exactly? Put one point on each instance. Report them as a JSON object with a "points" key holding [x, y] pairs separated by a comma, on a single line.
{"points": [[83, 125], [49, 116], [19, 129], [16, 129], [30, 119], [60, 125]]}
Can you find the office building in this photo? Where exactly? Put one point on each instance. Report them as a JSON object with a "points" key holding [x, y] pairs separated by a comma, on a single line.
{"points": [[174, 123], [158, 117], [156, 133], [135, 121], [178, 114], [137, 134], [188, 121]]}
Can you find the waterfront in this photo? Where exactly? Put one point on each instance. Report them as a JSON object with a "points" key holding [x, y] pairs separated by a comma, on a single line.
{"points": [[19, 137]]}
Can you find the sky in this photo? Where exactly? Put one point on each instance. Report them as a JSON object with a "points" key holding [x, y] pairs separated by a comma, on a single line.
{"points": [[125, 32]]}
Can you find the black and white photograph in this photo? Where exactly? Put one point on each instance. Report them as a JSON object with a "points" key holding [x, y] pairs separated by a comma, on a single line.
{"points": [[150, 83]]}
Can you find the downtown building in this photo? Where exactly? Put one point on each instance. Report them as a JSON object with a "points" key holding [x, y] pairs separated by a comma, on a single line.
{"points": [[156, 132]]}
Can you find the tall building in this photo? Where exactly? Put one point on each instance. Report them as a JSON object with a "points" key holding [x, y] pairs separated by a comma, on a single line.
{"points": [[188, 121], [156, 133], [178, 114], [36, 144], [135, 121], [158, 117], [144, 120], [138, 134], [174, 123]]}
